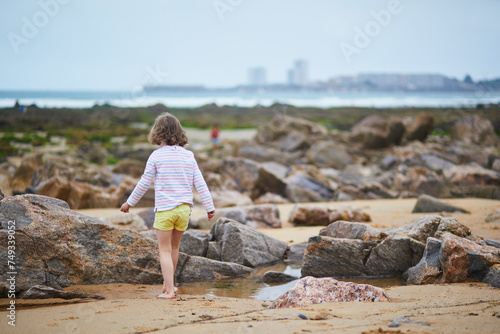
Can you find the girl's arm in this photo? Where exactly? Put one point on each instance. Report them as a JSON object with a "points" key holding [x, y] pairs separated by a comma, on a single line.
{"points": [[203, 191], [141, 187]]}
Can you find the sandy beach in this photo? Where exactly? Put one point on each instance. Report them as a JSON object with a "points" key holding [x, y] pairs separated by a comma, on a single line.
{"points": [[445, 308]]}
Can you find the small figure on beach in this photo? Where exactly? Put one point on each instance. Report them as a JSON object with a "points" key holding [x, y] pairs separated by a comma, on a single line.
{"points": [[174, 171], [214, 136]]}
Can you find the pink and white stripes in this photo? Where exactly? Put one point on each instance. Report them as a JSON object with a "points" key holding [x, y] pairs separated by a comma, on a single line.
{"points": [[174, 171]]}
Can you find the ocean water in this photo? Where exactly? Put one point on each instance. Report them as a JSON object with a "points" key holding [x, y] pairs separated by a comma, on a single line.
{"points": [[86, 99]]}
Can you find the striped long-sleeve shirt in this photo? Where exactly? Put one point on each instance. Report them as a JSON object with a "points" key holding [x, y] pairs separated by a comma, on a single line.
{"points": [[174, 171]]}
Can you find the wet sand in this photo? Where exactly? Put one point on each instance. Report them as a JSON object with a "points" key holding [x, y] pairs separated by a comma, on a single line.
{"points": [[447, 308]]}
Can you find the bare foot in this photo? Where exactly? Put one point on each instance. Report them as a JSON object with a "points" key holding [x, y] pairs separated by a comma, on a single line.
{"points": [[165, 289], [166, 296]]}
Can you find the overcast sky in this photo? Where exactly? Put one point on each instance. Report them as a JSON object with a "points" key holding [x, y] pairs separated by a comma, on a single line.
{"points": [[122, 44]]}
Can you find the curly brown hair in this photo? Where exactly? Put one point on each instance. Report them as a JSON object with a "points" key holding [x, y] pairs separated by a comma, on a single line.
{"points": [[167, 130]]}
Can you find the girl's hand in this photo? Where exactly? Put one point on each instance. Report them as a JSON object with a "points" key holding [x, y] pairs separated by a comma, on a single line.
{"points": [[210, 214], [125, 207]]}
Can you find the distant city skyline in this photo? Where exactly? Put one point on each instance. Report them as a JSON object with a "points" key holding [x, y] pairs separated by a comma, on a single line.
{"points": [[124, 45]]}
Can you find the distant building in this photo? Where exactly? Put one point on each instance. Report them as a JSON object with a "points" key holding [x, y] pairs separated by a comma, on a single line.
{"points": [[406, 81], [298, 75], [257, 76]]}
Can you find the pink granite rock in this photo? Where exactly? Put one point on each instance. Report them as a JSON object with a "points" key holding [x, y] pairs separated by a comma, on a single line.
{"points": [[311, 290]]}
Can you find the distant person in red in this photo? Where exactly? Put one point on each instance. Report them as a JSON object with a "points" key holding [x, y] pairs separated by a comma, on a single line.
{"points": [[214, 135]]}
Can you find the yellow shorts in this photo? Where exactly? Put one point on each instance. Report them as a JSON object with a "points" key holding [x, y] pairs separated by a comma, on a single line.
{"points": [[177, 218]]}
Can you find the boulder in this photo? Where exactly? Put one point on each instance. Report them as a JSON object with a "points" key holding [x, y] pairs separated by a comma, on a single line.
{"points": [[462, 258], [420, 180], [318, 215], [200, 269], [310, 290], [244, 172], [331, 257], [277, 277], [301, 188], [244, 245], [328, 154], [349, 230], [428, 269], [474, 129], [435, 162], [58, 247], [375, 132], [470, 175], [194, 242], [262, 153], [426, 203], [351, 249], [420, 127], [81, 195]]}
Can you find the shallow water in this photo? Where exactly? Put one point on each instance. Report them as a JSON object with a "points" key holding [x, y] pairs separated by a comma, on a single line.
{"points": [[252, 287]]}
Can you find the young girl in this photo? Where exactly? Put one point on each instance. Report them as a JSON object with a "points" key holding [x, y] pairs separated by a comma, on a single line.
{"points": [[175, 171]]}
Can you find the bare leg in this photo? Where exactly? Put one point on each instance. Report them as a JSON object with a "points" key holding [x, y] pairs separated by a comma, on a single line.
{"points": [[175, 243], [167, 267]]}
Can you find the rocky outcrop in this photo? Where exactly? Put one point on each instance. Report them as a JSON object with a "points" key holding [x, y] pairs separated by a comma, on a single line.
{"points": [[419, 127], [58, 247], [455, 259], [376, 132], [305, 215], [129, 221], [474, 129], [244, 245], [310, 290], [351, 249]]}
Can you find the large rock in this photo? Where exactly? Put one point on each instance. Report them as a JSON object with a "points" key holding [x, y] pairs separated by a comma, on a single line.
{"points": [[455, 259], [244, 245], [420, 127], [349, 230], [470, 175], [377, 132], [194, 242], [199, 269], [426, 203], [319, 215], [330, 257], [301, 188], [351, 249], [81, 195], [310, 290], [58, 247], [328, 154], [462, 258], [420, 180], [474, 129]]}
